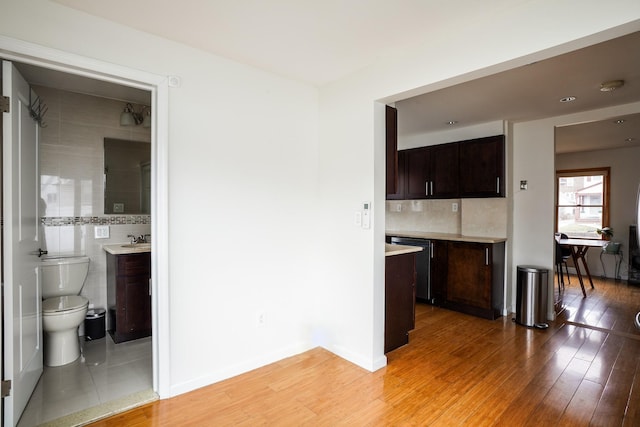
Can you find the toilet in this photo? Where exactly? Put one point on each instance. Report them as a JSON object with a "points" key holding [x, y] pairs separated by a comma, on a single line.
{"points": [[63, 309]]}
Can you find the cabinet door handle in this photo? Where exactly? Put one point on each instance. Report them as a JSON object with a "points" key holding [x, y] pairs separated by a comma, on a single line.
{"points": [[431, 250], [498, 185], [426, 188], [431, 187], [486, 256]]}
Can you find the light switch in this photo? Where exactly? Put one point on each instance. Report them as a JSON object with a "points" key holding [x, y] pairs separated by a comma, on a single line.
{"points": [[118, 207], [523, 185]]}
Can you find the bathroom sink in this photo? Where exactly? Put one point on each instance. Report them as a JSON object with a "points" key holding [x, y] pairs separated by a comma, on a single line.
{"points": [[137, 245]]}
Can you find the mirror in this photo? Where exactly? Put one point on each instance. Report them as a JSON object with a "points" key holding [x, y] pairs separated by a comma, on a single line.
{"points": [[127, 177]]}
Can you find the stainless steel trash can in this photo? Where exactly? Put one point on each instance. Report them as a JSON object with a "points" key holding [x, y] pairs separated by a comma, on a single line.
{"points": [[531, 296]]}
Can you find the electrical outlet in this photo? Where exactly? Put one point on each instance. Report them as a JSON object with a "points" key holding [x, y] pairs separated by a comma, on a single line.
{"points": [[454, 207], [101, 232], [261, 319]]}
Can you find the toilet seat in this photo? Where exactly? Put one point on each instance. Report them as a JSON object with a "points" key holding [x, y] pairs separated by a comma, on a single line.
{"points": [[65, 304]]}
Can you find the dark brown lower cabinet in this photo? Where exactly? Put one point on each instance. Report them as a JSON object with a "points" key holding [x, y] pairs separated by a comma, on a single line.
{"points": [[400, 297], [128, 296], [475, 278], [438, 270]]}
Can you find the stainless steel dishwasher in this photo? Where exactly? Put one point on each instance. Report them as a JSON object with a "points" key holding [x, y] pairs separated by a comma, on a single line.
{"points": [[423, 266]]}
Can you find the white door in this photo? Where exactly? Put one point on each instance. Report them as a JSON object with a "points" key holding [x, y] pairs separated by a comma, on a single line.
{"points": [[21, 284]]}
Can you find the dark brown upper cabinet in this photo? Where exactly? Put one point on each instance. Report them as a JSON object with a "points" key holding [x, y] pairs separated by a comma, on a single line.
{"points": [[464, 169], [391, 119], [444, 171], [401, 185], [482, 167], [432, 172]]}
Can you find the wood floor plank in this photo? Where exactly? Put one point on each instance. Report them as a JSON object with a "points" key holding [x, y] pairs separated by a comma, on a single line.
{"points": [[632, 415], [456, 370], [615, 397], [583, 403]]}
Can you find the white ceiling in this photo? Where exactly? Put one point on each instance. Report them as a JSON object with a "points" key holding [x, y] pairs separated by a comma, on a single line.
{"points": [[315, 41], [321, 41], [533, 92]]}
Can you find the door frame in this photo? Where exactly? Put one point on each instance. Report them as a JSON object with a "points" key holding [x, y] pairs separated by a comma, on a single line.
{"points": [[158, 85]]}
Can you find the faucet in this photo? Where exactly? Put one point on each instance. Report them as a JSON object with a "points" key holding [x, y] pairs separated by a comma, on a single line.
{"points": [[138, 239]]}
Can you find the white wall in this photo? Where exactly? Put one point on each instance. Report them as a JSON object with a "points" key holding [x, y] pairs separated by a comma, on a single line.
{"points": [[265, 175], [532, 238], [243, 161], [624, 181], [534, 161], [348, 145]]}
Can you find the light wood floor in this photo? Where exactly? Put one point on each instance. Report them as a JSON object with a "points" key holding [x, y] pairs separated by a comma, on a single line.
{"points": [[456, 370]]}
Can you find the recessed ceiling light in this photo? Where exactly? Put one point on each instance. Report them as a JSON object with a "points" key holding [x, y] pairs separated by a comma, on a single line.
{"points": [[452, 122], [630, 139], [611, 85], [619, 121], [568, 99]]}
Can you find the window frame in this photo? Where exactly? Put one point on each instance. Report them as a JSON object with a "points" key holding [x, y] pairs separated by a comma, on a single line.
{"points": [[605, 171]]}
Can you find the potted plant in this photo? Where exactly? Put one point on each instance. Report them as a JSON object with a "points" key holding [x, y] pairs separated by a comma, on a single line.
{"points": [[606, 232], [609, 247]]}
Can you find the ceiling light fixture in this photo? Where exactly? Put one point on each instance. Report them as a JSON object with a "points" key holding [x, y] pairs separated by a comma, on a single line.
{"points": [[611, 85], [130, 117], [619, 121], [568, 99], [452, 122], [630, 139]]}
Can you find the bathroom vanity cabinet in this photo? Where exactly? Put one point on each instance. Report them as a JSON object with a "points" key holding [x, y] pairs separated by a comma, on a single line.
{"points": [[128, 295]]}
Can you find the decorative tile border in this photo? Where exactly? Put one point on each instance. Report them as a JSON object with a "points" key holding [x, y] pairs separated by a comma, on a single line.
{"points": [[51, 221]]}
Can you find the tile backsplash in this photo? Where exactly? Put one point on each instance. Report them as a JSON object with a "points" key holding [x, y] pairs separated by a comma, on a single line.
{"points": [[474, 217], [72, 181], [435, 216]]}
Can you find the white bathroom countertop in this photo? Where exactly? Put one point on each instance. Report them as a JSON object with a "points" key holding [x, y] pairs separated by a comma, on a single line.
{"points": [[127, 248]]}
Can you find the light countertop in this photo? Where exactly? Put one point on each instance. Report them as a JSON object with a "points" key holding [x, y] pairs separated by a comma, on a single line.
{"points": [[444, 236], [390, 250], [127, 248]]}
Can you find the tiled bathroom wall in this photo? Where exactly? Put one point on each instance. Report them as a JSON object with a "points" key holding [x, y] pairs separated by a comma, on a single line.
{"points": [[72, 181]]}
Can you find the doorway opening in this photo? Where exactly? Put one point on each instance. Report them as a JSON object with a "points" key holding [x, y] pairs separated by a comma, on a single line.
{"points": [[78, 195]]}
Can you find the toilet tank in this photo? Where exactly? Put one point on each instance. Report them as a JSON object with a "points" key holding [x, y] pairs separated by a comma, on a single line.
{"points": [[62, 276]]}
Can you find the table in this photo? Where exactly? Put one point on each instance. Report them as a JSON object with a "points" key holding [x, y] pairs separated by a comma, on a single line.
{"points": [[579, 248]]}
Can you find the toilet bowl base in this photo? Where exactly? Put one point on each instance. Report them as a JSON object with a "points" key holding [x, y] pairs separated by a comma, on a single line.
{"points": [[61, 347]]}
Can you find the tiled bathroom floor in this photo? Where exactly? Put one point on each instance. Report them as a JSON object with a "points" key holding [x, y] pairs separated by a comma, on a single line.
{"points": [[103, 373]]}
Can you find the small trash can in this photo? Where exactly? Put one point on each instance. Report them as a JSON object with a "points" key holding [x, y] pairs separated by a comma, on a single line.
{"points": [[531, 296], [94, 327]]}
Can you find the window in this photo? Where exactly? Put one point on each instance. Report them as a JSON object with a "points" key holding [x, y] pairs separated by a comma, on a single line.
{"points": [[582, 202]]}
